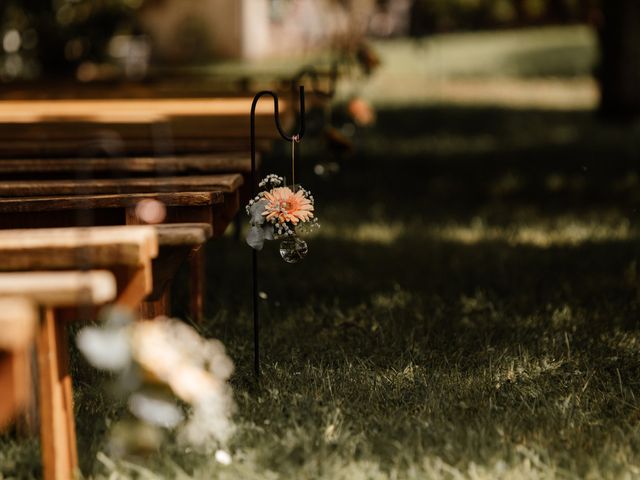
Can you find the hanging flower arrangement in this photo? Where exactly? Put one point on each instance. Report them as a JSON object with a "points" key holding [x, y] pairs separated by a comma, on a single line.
{"points": [[281, 212]]}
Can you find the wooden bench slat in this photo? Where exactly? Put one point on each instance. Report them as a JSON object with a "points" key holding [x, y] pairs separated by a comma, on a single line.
{"points": [[216, 163], [59, 289], [95, 145], [24, 188], [183, 234], [78, 202], [70, 248], [131, 110]]}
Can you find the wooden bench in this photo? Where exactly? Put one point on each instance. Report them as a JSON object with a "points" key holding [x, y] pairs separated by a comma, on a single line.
{"points": [[77, 196], [231, 162], [18, 316], [225, 183], [126, 251], [177, 242], [131, 126], [23, 294], [216, 208]]}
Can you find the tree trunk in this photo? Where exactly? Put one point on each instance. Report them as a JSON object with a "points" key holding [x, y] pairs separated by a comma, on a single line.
{"points": [[619, 73]]}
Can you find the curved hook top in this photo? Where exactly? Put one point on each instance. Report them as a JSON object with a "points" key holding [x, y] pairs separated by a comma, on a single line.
{"points": [[295, 136]]}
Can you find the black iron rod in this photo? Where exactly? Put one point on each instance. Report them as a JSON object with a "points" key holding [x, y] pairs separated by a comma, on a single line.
{"points": [[254, 187]]}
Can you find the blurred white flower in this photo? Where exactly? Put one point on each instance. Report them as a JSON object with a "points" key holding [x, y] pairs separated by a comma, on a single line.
{"points": [[223, 457], [106, 349], [168, 352], [156, 410]]}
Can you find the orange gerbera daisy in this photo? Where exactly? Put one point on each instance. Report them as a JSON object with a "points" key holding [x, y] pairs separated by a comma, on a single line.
{"points": [[285, 206]]}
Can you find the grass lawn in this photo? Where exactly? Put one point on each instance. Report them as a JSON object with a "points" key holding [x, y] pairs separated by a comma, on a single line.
{"points": [[469, 309]]}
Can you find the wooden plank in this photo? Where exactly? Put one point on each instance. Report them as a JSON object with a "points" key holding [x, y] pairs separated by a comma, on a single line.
{"points": [[131, 126], [59, 289], [223, 216], [57, 429], [15, 374], [130, 110], [134, 284], [112, 144], [160, 307], [69, 248], [25, 188], [18, 317], [84, 202], [183, 234], [203, 163], [197, 284]]}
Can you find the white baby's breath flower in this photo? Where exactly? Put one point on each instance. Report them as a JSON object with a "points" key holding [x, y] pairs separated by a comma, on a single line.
{"points": [[223, 457]]}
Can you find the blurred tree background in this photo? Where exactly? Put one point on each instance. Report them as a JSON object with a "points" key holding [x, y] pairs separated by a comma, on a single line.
{"points": [[75, 38], [429, 16], [53, 38]]}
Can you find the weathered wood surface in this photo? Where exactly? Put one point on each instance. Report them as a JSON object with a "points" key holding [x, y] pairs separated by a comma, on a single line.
{"points": [[233, 162], [191, 116], [177, 244], [86, 127], [59, 289], [71, 248], [103, 142], [183, 234], [117, 201], [15, 374], [57, 422], [26, 188]]}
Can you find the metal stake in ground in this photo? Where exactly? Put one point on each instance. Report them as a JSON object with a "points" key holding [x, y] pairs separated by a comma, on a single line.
{"points": [[254, 271]]}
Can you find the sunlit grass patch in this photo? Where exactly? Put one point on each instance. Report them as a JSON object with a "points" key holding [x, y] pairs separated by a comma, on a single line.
{"points": [[561, 232], [567, 230]]}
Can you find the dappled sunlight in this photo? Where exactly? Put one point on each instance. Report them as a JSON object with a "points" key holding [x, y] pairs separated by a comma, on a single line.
{"points": [[561, 231], [543, 68], [366, 232], [564, 232]]}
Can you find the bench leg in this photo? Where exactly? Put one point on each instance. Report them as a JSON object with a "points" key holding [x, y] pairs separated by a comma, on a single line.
{"points": [[133, 286], [27, 425], [150, 309], [14, 381], [57, 424], [197, 284]]}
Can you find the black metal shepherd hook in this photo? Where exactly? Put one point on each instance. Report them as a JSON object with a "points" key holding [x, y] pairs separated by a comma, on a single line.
{"points": [[254, 183]]}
